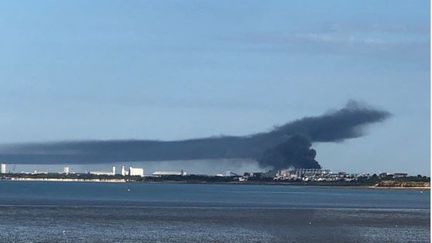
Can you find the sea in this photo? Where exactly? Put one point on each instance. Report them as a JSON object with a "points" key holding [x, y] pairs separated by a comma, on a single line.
{"points": [[146, 212]]}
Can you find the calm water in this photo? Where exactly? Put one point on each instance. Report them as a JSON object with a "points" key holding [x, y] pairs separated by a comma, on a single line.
{"points": [[104, 212]]}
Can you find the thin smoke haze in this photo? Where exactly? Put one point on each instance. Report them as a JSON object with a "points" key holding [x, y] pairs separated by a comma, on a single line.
{"points": [[284, 146]]}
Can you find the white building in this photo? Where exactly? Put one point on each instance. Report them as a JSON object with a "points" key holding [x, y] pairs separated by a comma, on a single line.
{"points": [[301, 173], [169, 173], [3, 169], [123, 171], [103, 172], [66, 170], [136, 171]]}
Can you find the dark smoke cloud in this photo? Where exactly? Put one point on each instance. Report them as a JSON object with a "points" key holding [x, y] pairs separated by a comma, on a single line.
{"points": [[296, 152], [287, 145]]}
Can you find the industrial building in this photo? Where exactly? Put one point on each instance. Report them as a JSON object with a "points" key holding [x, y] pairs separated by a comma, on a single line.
{"points": [[123, 171], [132, 171], [3, 169], [103, 172], [66, 170], [303, 174], [169, 173], [136, 171]]}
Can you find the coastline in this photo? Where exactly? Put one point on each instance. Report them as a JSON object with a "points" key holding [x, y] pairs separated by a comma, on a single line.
{"points": [[20, 179], [67, 180], [400, 187]]}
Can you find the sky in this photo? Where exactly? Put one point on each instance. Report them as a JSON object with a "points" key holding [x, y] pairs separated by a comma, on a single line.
{"points": [[105, 69]]}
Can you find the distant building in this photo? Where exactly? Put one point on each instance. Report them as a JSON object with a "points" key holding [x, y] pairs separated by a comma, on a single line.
{"points": [[303, 174], [3, 169], [132, 171], [103, 172], [66, 170], [136, 171], [123, 171], [169, 173]]}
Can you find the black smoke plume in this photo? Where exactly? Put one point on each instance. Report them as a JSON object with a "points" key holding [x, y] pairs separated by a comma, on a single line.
{"points": [[296, 152], [284, 146]]}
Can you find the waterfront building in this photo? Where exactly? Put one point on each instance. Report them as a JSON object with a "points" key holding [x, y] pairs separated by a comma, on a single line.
{"points": [[136, 171], [169, 173], [302, 174], [3, 169], [104, 172], [66, 170]]}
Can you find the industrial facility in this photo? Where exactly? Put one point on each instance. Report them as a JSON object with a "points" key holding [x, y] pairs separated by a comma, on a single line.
{"points": [[124, 174], [132, 171], [136, 171], [169, 173], [3, 169]]}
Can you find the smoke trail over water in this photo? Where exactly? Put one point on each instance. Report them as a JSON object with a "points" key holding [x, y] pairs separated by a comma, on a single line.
{"points": [[287, 145]]}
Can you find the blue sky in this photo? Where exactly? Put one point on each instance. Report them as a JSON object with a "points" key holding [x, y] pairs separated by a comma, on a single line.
{"points": [[72, 70]]}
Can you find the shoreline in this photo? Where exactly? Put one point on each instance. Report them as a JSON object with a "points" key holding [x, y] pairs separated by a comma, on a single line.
{"points": [[400, 187], [20, 179]]}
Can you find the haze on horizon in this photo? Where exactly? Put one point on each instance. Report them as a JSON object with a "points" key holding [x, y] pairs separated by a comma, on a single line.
{"points": [[175, 70]]}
